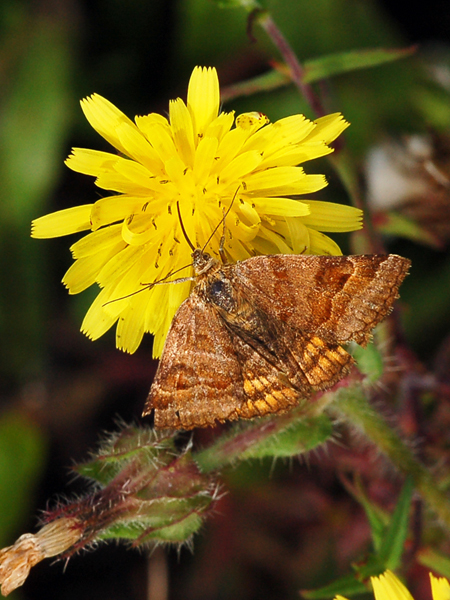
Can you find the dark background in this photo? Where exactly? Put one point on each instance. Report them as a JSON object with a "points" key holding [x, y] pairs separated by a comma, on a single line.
{"points": [[60, 390]]}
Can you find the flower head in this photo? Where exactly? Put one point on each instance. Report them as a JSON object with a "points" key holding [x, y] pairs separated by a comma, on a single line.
{"points": [[388, 587], [204, 161], [52, 539]]}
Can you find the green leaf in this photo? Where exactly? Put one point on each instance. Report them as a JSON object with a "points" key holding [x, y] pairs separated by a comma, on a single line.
{"points": [[344, 62], [131, 444], [179, 532], [390, 543], [316, 70], [101, 473], [282, 436], [432, 559], [369, 361], [391, 549], [164, 520], [267, 82], [299, 437], [377, 518], [346, 586], [396, 224]]}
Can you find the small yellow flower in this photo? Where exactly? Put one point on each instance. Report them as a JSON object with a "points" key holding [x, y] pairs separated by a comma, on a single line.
{"points": [[440, 588], [204, 161], [389, 587]]}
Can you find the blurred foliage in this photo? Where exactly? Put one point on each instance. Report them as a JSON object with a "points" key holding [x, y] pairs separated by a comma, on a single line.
{"points": [[22, 459], [63, 388], [34, 118]]}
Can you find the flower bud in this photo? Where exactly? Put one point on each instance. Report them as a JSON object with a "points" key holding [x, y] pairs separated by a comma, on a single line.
{"points": [[146, 491]]}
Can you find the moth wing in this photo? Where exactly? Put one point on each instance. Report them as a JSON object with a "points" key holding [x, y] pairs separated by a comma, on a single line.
{"points": [[337, 298], [199, 379], [208, 373], [306, 364]]}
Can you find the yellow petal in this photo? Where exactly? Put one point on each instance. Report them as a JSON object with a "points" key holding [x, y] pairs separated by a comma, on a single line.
{"points": [[204, 158], [274, 240], [284, 133], [246, 212], [90, 162], [62, 222], [181, 177], [127, 286], [283, 207], [144, 231], [130, 326], [154, 318], [96, 241], [138, 147], [389, 587], [297, 234], [440, 588], [145, 123], [119, 264], [175, 295], [159, 340], [115, 208], [331, 217], [104, 118], [271, 179], [239, 167], [328, 128], [140, 176], [183, 131], [229, 147], [203, 97], [295, 155], [97, 320], [162, 141], [238, 228], [281, 181], [220, 126], [84, 271], [319, 243], [113, 182]]}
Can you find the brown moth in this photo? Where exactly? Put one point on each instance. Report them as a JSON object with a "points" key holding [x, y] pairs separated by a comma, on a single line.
{"points": [[255, 337]]}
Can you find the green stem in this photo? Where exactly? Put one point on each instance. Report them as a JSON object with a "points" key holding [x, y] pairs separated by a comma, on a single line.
{"points": [[297, 72], [351, 403], [298, 431]]}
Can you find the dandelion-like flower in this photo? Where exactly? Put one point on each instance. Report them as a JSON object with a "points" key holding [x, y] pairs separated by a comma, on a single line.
{"points": [[388, 587], [205, 161]]}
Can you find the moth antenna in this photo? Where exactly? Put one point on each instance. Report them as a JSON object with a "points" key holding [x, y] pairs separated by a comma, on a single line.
{"points": [[148, 286], [186, 237], [222, 222], [222, 240]]}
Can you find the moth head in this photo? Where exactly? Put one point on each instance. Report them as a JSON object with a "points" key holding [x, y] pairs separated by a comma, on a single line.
{"points": [[202, 261]]}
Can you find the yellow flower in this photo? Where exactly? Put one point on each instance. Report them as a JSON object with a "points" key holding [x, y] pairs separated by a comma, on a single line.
{"points": [[196, 158], [440, 588], [389, 587]]}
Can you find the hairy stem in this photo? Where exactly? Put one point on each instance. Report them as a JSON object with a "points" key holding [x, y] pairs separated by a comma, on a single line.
{"points": [[351, 403]]}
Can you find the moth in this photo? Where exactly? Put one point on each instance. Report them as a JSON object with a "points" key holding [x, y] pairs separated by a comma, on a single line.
{"points": [[255, 337]]}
